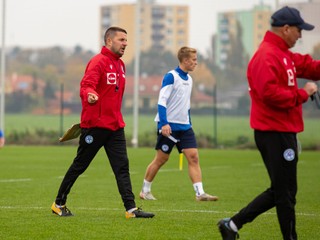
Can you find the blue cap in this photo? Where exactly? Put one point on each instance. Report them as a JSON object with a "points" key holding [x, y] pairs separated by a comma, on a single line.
{"points": [[289, 16]]}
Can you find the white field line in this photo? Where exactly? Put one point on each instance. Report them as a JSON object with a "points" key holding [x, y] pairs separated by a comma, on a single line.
{"points": [[157, 210], [15, 180], [221, 167], [81, 176], [170, 170]]}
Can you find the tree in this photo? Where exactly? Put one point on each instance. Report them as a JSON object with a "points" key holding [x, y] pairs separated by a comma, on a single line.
{"points": [[153, 62], [237, 57], [49, 92], [203, 77]]}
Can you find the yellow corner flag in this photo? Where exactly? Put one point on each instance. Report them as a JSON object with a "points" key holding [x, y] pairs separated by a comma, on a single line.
{"points": [[180, 161]]}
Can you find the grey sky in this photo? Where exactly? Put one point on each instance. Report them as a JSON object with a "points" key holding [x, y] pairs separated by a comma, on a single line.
{"points": [[42, 23]]}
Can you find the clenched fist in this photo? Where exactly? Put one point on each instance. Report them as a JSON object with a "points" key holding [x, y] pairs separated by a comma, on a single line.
{"points": [[92, 98]]}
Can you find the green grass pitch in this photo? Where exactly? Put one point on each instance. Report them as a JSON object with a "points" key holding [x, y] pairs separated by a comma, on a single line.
{"points": [[30, 177], [229, 129]]}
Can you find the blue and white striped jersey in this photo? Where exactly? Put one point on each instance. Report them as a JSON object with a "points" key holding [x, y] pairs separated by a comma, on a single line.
{"points": [[174, 100]]}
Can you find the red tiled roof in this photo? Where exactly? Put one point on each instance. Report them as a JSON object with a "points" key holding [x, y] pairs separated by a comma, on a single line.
{"points": [[148, 86]]}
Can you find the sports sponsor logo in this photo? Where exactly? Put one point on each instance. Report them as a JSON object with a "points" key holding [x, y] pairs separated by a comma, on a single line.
{"points": [[111, 78], [289, 154], [89, 139]]}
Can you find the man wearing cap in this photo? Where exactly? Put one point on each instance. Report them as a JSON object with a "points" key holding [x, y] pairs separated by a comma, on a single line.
{"points": [[276, 117]]}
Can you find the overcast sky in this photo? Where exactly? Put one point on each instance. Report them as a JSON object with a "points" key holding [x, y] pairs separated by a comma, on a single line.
{"points": [[67, 23]]}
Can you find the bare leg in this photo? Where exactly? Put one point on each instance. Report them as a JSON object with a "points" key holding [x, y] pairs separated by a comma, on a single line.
{"points": [[159, 160], [192, 157], [195, 175]]}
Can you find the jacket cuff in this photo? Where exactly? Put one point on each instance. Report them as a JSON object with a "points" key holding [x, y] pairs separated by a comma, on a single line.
{"points": [[302, 95]]}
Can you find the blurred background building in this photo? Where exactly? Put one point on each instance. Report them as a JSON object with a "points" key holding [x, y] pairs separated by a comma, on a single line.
{"points": [[162, 27], [246, 26], [250, 25]]}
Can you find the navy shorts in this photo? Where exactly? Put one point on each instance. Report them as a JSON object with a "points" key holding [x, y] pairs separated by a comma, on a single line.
{"points": [[186, 139]]}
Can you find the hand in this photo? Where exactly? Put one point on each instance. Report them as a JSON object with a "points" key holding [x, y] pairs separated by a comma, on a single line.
{"points": [[310, 88], [92, 98], [166, 130]]}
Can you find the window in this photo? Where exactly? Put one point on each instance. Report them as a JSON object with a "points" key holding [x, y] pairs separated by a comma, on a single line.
{"points": [[181, 11], [180, 22]]}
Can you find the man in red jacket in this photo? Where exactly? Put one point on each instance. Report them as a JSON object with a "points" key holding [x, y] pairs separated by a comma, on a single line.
{"points": [[102, 125], [276, 117]]}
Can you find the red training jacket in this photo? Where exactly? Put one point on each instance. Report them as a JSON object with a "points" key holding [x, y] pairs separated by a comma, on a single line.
{"points": [[276, 100], [105, 77]]}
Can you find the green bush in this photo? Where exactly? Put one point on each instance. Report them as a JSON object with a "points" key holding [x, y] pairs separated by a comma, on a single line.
{"points": [[41, 136]]}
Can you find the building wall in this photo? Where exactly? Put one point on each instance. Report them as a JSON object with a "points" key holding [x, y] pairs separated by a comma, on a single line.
{"points": [[225, 26], [254, 23], [122, 16], [261, 19], [162, 27]]}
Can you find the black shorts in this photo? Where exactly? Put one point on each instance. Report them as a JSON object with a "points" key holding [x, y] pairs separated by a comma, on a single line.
{"points": [[186, 139]]}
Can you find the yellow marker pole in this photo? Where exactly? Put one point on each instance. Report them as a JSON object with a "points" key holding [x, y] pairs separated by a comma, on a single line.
{"points": [[180, 161]]}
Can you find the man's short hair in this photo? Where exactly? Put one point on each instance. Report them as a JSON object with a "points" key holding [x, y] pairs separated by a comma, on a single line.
{"points": [[111, 32], [185, 52]]}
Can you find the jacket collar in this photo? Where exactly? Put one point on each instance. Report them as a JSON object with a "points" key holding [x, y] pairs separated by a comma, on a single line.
{"points": [[274, 39], [106, 51]]}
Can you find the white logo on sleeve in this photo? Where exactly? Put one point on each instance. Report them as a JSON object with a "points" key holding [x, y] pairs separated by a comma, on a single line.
{"points": [[289, 154], [290, 77]]}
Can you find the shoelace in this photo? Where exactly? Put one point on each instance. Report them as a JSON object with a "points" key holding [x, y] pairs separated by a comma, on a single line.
{"points": [[65, 209]]}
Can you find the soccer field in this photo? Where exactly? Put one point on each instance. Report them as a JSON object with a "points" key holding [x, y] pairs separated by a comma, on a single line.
{"points": [[30, 177]]}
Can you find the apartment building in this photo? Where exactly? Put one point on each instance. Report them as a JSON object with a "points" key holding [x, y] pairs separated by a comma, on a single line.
{"points": [[255, 22], [162, 27], [251, 25]]}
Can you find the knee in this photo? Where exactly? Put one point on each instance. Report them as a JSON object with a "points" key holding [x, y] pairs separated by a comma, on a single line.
{"points": [[193, 159], [160, 161]]}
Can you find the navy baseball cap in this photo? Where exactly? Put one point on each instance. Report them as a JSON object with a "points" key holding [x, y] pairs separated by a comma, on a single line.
{"points": [[289, 16]]}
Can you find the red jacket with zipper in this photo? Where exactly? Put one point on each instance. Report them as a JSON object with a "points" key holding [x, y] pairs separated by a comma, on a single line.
{"points": [[276, 100], [105, 77]]}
